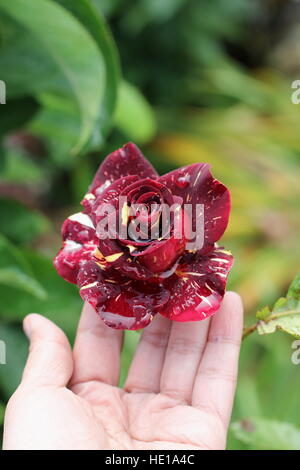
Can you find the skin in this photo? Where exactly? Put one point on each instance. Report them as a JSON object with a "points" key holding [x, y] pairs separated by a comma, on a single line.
{"points": [[178, 394]]}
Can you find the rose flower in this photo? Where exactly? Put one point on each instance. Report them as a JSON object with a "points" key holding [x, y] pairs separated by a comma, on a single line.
{"points": [[146, 244]]}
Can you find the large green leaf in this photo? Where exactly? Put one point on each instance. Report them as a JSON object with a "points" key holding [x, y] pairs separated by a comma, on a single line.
{"points": [[19, 223], [261, 434], [107, 7], [57, 121], [94, 22], [51, 51], [16, 113]]}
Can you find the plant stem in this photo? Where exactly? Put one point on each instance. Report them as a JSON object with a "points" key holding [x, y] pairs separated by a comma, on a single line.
{"points": [[248, 330]]}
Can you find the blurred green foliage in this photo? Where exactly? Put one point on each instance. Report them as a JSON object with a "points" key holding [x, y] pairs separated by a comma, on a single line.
{"points": [[189, 81]]}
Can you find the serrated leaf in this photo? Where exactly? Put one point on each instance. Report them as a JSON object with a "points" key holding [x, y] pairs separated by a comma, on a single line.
{"points": [[280, 303], [263, 313], [290, 325], [285, 315], [263, 434], [294, 290]]}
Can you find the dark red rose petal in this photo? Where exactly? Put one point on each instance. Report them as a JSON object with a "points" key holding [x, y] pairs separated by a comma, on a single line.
{"points": [[79, 244], [72, 257], [198, 286], [116, 257], [110, 196], [79, 228], [123, 304], [128, 160], [160, 255], [196, 185], [135, 307], [145, 185], [93, 287]]}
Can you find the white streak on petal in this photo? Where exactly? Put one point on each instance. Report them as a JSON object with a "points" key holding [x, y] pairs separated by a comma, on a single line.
{"points": [[70, 245], [82, 219], [220, 260]]}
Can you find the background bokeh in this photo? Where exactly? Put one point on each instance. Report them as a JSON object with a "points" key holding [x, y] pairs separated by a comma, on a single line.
{"points": [[188, 81]]}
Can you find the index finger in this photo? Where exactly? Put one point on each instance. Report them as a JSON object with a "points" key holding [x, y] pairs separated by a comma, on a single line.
{"points": [[96, 351]]}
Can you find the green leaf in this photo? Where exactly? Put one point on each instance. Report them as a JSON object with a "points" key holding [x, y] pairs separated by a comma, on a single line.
{"points": [[19, 223], [63, 303], [48, 62], [294, 289], [12, 256], [263, 434], [285, 315], [16, 113], [57, 121], [21, 169], [134, 116], [15, 273], [107, 7], [94, 22], [263, 313], [11, 276]]}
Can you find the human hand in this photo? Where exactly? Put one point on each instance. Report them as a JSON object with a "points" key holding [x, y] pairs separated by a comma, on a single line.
{"points": [[178, 393]]}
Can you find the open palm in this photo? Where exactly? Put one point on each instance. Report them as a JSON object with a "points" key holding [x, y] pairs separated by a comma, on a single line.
{"points": [[178, 393]]}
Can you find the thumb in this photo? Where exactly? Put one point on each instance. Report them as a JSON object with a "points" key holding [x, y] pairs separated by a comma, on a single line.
{"points": [[50, 360]]}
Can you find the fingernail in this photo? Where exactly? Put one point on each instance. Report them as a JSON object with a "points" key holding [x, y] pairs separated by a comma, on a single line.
{"points": [[27, 327]]}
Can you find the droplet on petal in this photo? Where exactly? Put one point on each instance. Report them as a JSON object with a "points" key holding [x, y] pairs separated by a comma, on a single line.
{"points": [[183, 181]]}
